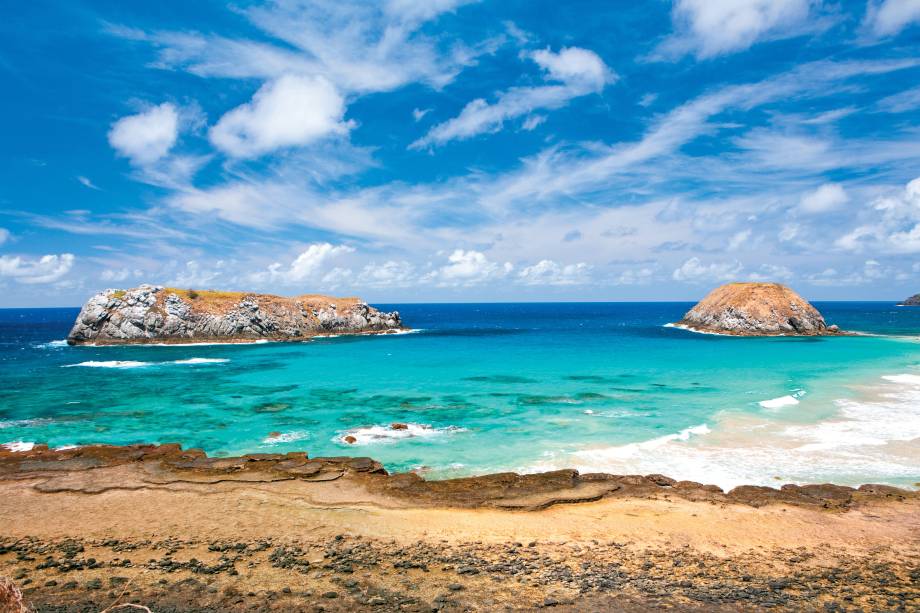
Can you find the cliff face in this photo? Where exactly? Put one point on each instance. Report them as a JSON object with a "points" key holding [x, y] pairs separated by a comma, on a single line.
{"points": [[912, 301], [756, 309], [157, 314]]}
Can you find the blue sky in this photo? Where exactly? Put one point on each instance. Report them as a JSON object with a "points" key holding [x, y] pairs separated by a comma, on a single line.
{"points": [[452, 150]]}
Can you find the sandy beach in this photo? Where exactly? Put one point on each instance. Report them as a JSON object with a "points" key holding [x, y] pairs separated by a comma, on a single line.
{"points": [[85, 529]]}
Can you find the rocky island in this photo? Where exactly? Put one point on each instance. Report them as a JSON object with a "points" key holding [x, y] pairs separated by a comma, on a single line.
{"points": [[151, 313], [756, 309], [912, 301]]}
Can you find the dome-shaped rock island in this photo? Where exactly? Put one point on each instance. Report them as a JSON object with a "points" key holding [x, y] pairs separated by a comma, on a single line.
{"points": [[756, 309], [154, 314], [912, 301]]}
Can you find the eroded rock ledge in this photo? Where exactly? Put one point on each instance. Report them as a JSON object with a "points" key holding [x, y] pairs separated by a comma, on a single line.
{"points": [[150, 313], [96, 469], [756, 309]]}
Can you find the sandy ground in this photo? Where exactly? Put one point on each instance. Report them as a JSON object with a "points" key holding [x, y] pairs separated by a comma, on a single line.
{"points": [[82, 540]]}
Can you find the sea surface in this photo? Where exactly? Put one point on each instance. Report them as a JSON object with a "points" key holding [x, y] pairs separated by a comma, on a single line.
{"points": [[495, 387]]}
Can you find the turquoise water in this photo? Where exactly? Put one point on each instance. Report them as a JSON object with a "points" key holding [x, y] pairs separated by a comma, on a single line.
{"points": [[496, 387]]}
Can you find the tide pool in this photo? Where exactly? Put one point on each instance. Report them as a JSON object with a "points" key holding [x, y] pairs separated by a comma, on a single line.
{"points": [[494, 387]]}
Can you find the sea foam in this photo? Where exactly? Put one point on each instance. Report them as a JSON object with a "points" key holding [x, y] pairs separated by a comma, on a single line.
{"points": [[873, 434], [385, 434], [782, 401], [18, 446], [138, 364]]}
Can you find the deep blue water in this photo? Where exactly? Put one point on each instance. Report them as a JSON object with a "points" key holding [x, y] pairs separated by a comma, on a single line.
{"points": [[485, 387]]}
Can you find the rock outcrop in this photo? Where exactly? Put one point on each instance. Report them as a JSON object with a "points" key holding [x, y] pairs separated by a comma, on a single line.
{"points": [[912, 301], [756, 309], [157, 314]]}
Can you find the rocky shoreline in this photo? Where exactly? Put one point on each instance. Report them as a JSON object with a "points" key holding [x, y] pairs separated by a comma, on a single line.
{"points": [[175, 530], [155, 314]]}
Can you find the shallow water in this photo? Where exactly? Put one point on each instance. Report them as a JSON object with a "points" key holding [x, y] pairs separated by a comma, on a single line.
{"points": [[483, 388]]}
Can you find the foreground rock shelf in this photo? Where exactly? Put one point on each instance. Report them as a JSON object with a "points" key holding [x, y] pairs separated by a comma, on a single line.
{"points": [[83, 470]]}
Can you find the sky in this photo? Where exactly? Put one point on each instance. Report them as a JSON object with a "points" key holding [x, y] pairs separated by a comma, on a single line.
{"points": [[460, 151]]}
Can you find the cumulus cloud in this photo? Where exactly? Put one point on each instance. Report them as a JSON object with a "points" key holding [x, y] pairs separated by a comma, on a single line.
{"points": [[468, 268], [891, 224], [709, 28], [290, 111], [46, 269], [828, 197], [148, 136], [548, 272], [575, 72], [306, 266], [695, 271], [888, 17]]}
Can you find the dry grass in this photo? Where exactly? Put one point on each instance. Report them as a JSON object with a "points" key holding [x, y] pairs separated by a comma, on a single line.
{"points": [[11, 597], [218, 302]]}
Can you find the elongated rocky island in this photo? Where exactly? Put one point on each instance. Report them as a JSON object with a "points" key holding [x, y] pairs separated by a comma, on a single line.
{"points": [[912, 301], [756, 309], [149, 313]]}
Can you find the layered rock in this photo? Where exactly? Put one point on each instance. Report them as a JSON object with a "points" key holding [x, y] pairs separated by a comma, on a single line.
{"points": [[756, 309], [912, 301], [157, 314]]}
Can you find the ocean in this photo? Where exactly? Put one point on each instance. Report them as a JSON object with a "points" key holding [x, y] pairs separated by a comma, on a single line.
{"points": [[601, 387]]}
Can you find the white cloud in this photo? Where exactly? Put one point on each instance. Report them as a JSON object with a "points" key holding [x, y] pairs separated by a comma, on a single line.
{"points": [[120, 274], [359, 46], [290, 111], [306, 266], [548, 272], [194, 276], [148, 136], [891, 224], [4, 235], [694, 271], [391, 273], [738, 240], [532, 122], [888, 17], [85, 182], [771, 272], [709, 28], [828, 197], [47, 269], [418, 114], [901, 102], [577, 72], [468, 268]]}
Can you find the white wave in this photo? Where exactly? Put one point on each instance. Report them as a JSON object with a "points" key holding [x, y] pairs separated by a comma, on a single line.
{"points": [[694, 330], [905, 378], [66, 447], [202, 361], [873, 438], [53, 344], [18, 446], [285, 437], [230, 343], [782, 401], [110, 364], [137, 364], [401, 332], [386, 434]]}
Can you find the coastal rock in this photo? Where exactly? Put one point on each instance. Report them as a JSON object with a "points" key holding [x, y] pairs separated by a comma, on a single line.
{"points": [[756, 309], [912, 301], [151, 313]]}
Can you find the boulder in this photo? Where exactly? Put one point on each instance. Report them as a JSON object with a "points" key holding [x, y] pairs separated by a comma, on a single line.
{"points": [[150, 313], [756, 309]]}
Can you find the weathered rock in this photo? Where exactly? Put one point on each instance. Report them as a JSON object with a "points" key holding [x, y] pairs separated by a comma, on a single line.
{"points": [[912, 301], [756, 309], [156, 314]]}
